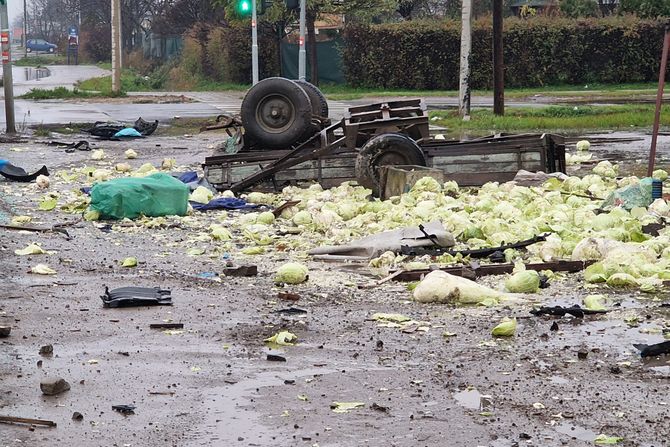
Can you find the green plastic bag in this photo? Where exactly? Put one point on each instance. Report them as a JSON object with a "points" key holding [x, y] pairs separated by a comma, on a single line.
{"points": [[632, 196], [155, 195]]}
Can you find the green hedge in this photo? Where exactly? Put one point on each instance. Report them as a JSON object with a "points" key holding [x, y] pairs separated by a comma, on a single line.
{"points": [[223, 54], [539, 51]]}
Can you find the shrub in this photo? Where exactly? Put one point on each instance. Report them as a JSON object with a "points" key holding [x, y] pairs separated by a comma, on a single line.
{"points": [[538, 51]]}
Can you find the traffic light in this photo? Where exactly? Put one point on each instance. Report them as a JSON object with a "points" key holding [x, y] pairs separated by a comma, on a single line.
{"points": [[244, 7], [292, 4]]}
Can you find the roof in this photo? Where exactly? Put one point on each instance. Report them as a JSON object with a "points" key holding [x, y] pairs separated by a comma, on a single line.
{"points": [[533, 3]]}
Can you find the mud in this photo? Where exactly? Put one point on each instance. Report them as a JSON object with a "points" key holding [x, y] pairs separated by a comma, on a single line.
{"points": [[211, 384]]}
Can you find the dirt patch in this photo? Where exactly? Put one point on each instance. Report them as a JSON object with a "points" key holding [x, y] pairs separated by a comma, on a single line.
{"points": [[158, 98]]}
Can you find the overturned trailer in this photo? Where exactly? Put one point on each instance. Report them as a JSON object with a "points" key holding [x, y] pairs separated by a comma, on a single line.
{"points": [[358, 147]]}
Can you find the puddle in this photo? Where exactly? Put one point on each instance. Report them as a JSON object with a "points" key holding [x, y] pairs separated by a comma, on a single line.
{"points": [[473, 400], [576, 432], [228, 418], [659, 365], [558, 380], [22, 74]]}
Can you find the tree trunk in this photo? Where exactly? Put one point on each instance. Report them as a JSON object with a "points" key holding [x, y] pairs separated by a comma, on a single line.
{"points": [[311, 41]]}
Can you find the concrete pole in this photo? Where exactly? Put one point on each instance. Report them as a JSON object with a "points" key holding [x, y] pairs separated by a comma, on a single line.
{"points": [[254, 43], [116, 46], [498, 65], [25, 28], [302, 55], [7, 69], [466, 47]]}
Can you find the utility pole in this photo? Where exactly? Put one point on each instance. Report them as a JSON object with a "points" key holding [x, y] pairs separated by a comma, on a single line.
{"points": [[498, 65], [466, 47], [25, 29], [254, 42], [302, 55], [116, 46], [7, 68]]}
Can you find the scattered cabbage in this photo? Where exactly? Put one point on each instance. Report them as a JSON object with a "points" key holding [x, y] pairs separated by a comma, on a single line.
{"points": [[259, 198], [622, 280], [201, 195], [583, 145], [129, 262], [266, 218], [302, 218], [283, 338], [426, 184], [168, 163], [525, 281], [98, 154], [291, 273], [122, 167], [220, 233], [32, 249], [43, 269], [130, 154], [442, 287], [42, 181], [660, 174], [606, 169], [506, 328], [595, 302]]}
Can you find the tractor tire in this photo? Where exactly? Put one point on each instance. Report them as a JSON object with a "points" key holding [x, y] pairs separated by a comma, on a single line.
{"points": [[389, 149], [318, 100], [276, 113]]}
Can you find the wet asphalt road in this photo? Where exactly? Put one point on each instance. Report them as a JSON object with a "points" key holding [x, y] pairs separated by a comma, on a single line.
{"points": [[211, 384]]}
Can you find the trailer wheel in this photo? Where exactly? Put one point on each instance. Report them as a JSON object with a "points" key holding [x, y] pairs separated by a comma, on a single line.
{"points": [[390, 149], [319, 102], [276, 112]]}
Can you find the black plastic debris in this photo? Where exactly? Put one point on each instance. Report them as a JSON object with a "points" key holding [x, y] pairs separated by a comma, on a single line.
{"points": [[559, 311], [654, 350], [18, 174], [136, 296], [290, 311], [124, 409], [107, 131], [69, 147], [275, 358]]}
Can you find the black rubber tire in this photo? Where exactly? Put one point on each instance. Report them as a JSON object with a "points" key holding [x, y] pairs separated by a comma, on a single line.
{"points": [[276, 113], [389, 149], [51, 50], [29, 50], [318, 100]]}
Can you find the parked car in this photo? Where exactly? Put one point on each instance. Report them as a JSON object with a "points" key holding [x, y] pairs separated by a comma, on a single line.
{"points": [[40, 45]]}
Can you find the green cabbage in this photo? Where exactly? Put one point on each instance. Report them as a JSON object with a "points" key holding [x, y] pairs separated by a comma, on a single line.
{"points": [[506, 328], [291, 273], [583, 145], [595, 302], [442, 287], [525, 281], [302, 218], [660, 174]]}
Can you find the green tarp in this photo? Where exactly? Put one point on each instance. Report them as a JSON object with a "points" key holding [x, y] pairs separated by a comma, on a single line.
{"points": [[154, 195], [329, 61]]}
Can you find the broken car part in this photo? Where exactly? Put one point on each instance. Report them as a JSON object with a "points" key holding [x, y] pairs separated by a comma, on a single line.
{"points": [[136, 296]]}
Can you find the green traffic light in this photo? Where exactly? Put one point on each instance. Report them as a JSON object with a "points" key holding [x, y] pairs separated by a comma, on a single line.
{"points": [[245, 6]]}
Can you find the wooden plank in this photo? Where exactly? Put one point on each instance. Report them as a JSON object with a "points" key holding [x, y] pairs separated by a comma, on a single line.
{"points": [[498, 269], [511, 167], [18, 420], [489, 158]]}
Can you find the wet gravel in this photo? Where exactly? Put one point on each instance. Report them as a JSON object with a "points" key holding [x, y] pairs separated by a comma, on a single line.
{"points": [[211, 385]]}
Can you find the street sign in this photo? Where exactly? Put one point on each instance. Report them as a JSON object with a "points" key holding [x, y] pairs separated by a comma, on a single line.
{"points": [[4, 37], [5, 57], [72, 31]]}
